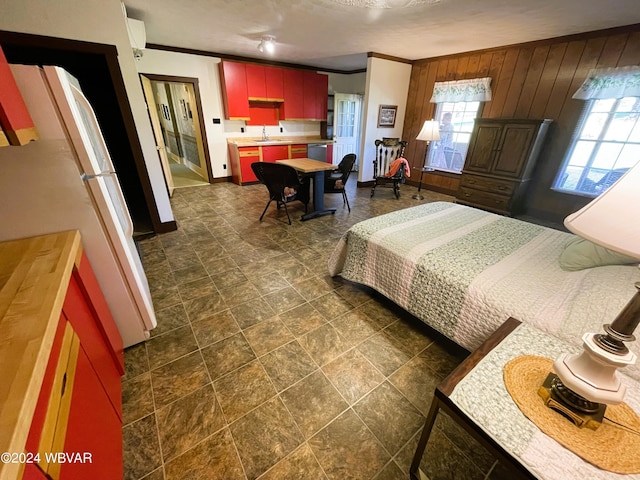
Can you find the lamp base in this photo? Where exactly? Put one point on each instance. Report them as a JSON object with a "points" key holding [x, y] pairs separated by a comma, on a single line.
{"points": [[582, 412]]}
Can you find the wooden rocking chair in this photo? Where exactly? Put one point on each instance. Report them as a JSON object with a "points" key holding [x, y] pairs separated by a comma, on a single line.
{"points": [[388, 150]]}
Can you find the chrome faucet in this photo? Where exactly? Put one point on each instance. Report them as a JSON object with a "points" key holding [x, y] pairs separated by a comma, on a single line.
{"points": [[264, 133]]}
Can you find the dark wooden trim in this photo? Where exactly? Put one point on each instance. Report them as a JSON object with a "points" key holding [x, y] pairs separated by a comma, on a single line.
{"points": [[222, 179], [240, 58], [166, 227], [388, 57], [194, 82], [134, 141], [54, 43], [44, 47], [169, 78]]}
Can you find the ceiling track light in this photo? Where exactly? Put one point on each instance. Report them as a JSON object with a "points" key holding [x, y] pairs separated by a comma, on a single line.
{"points": [[267, 44]]}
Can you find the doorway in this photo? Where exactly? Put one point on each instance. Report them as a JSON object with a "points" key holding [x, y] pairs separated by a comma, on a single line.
{"points": [[175, 113], [96, 68], [347, 108]]}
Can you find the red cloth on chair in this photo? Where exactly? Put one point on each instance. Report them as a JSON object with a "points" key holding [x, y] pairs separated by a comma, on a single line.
{"points": [[396, 164]]}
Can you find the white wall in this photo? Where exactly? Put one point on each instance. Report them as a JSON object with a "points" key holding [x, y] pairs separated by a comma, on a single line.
{"points": [[99, 21], [347, 83], [387, 84]]}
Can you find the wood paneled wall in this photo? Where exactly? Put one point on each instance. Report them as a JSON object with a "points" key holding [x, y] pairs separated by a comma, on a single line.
{"points": [[531, 80]]}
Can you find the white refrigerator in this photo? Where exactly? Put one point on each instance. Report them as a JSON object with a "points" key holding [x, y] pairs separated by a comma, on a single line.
{"points": [[66, 181]]}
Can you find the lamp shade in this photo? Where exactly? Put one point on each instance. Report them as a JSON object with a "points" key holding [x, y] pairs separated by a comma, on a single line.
{"points": [[430, 131], [611, 220]]}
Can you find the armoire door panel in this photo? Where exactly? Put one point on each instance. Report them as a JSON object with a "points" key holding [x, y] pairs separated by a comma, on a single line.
{"points": [[514, 150]]}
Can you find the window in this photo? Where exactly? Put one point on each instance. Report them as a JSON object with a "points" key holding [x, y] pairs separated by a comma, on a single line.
{"points": [[457, 106], [456, 122], [606, 142]]}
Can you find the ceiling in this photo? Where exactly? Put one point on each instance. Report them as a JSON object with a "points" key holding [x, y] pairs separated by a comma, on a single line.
{"points": [[330, 35]]}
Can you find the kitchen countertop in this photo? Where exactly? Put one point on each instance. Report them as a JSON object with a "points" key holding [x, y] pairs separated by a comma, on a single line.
{"points": [[256, 142], [34, 276]]}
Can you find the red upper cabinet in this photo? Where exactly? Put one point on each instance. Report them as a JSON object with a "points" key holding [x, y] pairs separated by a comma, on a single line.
{"points": [[323, 94], [316, 88], [310, 100], [265, 83], [302, 95], [233, 77], [256, 83], [274, 79], [292, 108]]}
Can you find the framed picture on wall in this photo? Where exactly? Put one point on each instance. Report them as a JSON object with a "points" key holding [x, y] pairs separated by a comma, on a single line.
{"points": [[387, 115]]}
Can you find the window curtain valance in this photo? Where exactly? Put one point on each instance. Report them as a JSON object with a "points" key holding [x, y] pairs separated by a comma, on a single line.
{"points": [[610, 83], [473, 90]]}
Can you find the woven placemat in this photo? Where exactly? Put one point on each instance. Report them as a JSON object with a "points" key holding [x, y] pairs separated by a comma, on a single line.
{"points": [[610, 447]]}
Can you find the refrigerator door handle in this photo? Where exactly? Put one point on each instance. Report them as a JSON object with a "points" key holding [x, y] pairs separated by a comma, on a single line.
{"points": [[87, 176]]}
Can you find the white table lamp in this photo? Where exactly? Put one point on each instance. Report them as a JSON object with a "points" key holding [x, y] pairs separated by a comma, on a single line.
{"points": [[611, 221], [430, 132]]}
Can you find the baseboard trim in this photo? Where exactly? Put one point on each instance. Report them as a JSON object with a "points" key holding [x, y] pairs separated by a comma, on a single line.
{"points": [[165, 227]]}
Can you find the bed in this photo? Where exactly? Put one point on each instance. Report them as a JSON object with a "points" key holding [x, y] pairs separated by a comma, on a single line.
{"points": [[464, 271]]}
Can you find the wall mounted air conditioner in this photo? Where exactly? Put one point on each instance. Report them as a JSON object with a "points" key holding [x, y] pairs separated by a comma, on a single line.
{"points": [[137, 36]]}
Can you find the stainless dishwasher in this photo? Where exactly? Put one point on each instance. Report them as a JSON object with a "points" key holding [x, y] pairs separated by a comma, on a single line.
{"points": [[317, 151]]}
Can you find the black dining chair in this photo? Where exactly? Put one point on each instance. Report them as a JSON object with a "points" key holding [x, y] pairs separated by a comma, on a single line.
{"points": [[336, 181], [283, 184]]}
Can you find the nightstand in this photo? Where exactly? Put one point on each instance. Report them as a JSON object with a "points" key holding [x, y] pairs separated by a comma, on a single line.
{"points": [[474, 396]]}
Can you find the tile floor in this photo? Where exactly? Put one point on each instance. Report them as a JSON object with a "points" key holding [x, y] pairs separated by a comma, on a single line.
{"points": [[262, 366]]}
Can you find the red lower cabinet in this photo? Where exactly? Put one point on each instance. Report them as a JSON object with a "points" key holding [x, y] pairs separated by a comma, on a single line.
{"points": [[93, 441], [80, 313], [75, 431], [272, 153], [298, 151], [247, 157], [245, 168]]}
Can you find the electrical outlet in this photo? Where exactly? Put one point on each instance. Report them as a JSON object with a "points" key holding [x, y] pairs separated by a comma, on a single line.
{"points": [[242, 129], [224, 166], [281, 129]]}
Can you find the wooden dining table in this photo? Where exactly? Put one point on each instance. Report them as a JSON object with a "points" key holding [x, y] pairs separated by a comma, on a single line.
{"points": [[317, 168]]}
